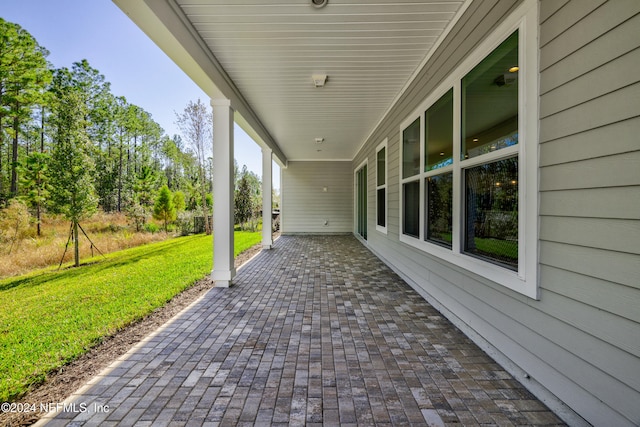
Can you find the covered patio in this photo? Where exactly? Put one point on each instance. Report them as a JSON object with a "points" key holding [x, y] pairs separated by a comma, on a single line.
{"points": [[346, 96], [316, 330]]}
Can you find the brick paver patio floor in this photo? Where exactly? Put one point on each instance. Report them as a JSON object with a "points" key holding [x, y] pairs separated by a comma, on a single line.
{"points": [[315, 331]]}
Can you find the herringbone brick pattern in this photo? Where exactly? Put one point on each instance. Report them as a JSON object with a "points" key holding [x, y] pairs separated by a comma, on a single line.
{"points": [[316, 331]]}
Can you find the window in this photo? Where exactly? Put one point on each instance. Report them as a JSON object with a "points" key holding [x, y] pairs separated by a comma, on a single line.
{"points": [[361, 178], [469, 156], [411, 197], [411, 186], [490, 102], [438, 164], [440, 209], [439, 133], [411, 149], [491, 212], [381, 187], [490, 124]]}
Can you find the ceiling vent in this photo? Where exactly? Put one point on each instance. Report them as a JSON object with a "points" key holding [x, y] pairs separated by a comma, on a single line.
{"points": [[319, 79], [319, 3]]}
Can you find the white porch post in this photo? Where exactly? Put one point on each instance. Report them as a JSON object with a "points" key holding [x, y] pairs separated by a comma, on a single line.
{"points": [[223, 186], [267, 178]]}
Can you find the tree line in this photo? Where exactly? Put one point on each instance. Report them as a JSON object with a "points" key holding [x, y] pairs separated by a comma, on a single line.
{"points": [[69, 146]]}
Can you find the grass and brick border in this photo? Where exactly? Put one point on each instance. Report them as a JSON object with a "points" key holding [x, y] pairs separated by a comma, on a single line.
{"points": [[50, 317]]}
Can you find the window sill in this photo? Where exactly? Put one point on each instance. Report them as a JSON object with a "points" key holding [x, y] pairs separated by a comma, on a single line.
{"points": [[500, 275]]}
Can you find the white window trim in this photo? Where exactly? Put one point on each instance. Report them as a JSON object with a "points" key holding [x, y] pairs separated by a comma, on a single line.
{"points": [[525, 280], [384, 186]]}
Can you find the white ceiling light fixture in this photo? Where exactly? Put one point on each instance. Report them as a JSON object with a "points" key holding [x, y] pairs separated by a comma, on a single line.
{"points": [[319, 79], [319, 3]]}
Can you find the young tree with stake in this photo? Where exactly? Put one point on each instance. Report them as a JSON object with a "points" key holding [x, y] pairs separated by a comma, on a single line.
{"points": [[72, 192]]}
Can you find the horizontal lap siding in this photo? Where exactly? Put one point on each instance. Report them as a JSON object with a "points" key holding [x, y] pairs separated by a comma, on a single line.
{"points": [[306, 207], [581, 340], [590, 192]]}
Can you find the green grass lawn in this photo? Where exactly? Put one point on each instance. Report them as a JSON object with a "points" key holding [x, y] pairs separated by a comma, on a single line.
{"points": [[48, 317]]}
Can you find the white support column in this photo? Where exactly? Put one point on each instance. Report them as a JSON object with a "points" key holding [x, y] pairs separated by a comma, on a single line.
{"points": [[223, 186], [267, 159]]}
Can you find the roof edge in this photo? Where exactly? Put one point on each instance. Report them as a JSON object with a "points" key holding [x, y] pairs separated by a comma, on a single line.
{"points": [[415, 74], [165, 24]]}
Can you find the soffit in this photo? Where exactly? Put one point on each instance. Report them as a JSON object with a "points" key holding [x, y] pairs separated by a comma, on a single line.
{"points": [[270, 49]]}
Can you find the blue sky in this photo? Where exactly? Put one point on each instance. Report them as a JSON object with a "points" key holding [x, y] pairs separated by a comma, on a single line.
{"points": [[97, 30]]}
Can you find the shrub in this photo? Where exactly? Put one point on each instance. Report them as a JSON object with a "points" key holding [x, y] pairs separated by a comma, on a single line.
{"points": [[14, 222], [114, 228], [178, 201], [150, 227], [163, 208], [185, 222], [137, 216]]}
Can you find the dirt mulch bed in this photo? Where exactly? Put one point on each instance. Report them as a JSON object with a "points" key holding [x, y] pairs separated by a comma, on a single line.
{"points": [[60, 384]]}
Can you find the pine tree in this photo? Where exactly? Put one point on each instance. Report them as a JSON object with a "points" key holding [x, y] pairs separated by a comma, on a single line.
{"points": [[144, 186], [72, 191], [24, 72], [196, 124], [163, 208], [243, 203], [129, 155], [247, 199], [178, 201], [34, 178]]}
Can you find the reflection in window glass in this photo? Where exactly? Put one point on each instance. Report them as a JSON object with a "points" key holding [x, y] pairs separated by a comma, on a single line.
{"points": [[381, 167], [491, 217], [382, 203], [490, 102], [411, 149], [440, 209], [381, 192], [439, 133], [411, 209]]}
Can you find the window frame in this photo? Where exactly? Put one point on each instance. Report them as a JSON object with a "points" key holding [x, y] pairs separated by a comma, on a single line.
{"points": [[525, 280], [383, 145]]}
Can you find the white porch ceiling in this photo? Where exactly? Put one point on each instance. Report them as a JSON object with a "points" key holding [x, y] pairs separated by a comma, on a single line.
{"points": [[269, 49]]}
